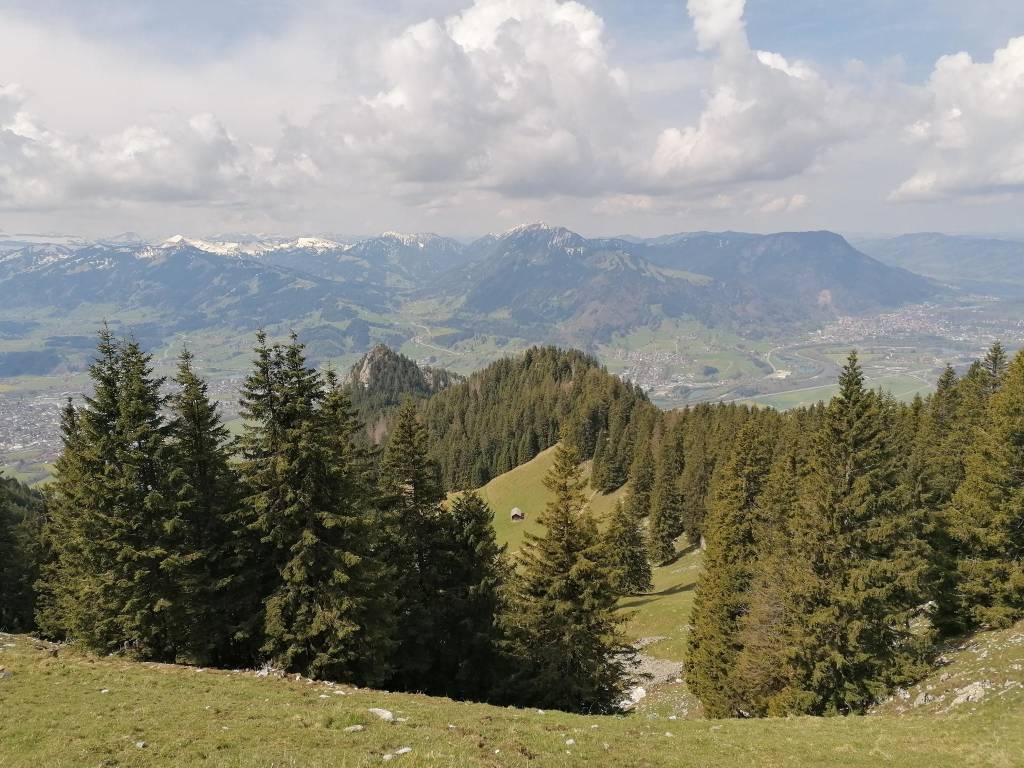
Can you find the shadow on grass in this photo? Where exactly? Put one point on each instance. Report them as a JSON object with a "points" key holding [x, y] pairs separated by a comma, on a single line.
{"points": [[650, 597]]}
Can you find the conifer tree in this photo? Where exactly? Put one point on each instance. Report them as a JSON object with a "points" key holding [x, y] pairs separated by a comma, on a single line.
{"points": [[106, 584], [563, 626], [314, 511], [62, 575], [695, 480], [641, 482], [766, 678], [412, 496], [868, 557], [19, 560], [625, 552], [665, 522], [987, 512], [471, 600], [211, 545], [721, 598], [995, 365], [10, 565], [599, 465], [934, 471]]}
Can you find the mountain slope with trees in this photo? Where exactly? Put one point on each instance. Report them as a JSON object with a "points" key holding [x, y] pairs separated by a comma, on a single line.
{"points": [[845, 543]]}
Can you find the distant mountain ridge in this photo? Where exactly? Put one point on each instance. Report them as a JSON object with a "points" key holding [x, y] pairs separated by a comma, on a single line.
{"points": [[539, 275], [975, 263], [535, 282]]}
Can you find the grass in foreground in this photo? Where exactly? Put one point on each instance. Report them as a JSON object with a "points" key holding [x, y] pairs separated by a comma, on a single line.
{"points": [[77, 710]]}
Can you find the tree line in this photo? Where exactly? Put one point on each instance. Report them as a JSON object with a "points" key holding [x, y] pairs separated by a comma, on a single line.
{"points": [[166, 539], [841, 540]]}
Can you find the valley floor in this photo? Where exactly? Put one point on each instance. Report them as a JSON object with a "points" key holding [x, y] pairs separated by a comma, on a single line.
{"points": [[71, 709]]}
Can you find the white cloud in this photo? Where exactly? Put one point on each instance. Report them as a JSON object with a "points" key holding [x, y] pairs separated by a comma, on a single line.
{"points": [[973, 132], [358, 118], [718, 23], [765, 117], [511, 95], [172, 159]]}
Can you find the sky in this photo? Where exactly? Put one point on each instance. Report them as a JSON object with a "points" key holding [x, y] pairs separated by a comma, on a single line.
{"points": [[468, 116]]}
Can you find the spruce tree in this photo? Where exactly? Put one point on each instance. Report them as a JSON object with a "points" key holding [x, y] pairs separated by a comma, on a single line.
{"points": [[563, 625], [869, 560], [665, 522], [995, 365], [107, 584], [987, 511], [313, 510], [19, 557], [212, 547], [625, 552], [11, 565], [471, 599], [766, 678], [416, 537], [935, 469], [641, 482], [599, 464], [143, 591], [721, 598]]}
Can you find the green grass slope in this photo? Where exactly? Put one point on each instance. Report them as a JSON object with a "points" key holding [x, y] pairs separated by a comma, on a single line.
{"points": [[72, 709], [523, 487], [983, 673], [657, 621]]}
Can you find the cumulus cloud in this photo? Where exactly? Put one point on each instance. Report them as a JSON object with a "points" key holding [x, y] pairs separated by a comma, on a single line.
{"points": [[973, 131], [718, 23], [512, 95], [171, 159], [500, 106], [765, 117]]}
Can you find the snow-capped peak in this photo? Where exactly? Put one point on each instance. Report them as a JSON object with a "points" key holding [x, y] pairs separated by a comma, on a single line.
{"points": [[411, 241], [317, 244], [210, 246]]}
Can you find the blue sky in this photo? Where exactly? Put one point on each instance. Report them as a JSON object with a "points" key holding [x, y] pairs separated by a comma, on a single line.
{"points": [[464, 115]]}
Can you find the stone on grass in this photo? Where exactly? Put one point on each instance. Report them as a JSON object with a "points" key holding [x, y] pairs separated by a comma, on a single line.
{"points": [[353, 729], [384, 714], [973, 692]]}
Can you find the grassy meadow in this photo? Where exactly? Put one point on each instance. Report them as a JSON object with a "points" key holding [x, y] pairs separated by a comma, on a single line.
{"points": [[61, 708]]}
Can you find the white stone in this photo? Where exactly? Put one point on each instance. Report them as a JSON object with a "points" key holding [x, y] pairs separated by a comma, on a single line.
{"points": [[384, 714], [353, 729], [973, 692]]}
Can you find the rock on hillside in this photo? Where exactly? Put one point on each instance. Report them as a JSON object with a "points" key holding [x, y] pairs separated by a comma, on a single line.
{"points": [[985, 670], [383, 378]]}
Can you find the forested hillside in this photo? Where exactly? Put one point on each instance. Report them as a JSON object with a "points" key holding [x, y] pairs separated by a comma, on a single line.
{"points": [[21, 518], [514, 408], [383, 379], [843, 542]]}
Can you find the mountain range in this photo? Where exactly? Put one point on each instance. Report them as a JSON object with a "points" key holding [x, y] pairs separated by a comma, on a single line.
{"points": [[537, 282], [981, 264]]}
